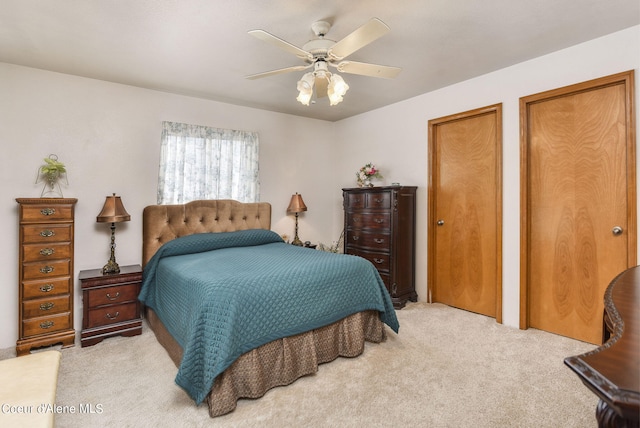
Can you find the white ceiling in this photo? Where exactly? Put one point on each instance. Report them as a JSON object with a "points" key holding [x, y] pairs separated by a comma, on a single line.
{"points": [[201, 47]]}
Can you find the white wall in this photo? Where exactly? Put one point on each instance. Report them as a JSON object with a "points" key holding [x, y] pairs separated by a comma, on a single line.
{"points": [[395, 137], [108, 136]]}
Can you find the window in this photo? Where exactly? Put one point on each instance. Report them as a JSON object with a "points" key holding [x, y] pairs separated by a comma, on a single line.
{"points": [[199, 162]]}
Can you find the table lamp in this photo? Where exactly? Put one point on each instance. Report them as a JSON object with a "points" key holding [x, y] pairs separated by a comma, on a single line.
{"points": [[112, 212], [296, 206]]}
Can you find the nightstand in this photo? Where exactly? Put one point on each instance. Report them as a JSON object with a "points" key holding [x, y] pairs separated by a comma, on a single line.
{"points": [[110, 304]]}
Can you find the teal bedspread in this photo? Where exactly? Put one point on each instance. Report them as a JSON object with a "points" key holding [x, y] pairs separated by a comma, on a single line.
{"points": [[221, 295]]}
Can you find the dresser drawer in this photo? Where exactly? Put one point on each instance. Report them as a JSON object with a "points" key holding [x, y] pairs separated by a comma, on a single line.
{"points": [[380, 200], [42, 270], [379, 260], [355, 200], [112, 295], [45, 307], [40, 252], [45, 325], [370, 220], [46, 233], [370, 240], [113, 314], [38, 289], [46, 213]]}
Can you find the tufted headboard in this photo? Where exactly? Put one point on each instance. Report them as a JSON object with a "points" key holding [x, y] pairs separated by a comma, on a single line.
{"points": [[162, 223]]}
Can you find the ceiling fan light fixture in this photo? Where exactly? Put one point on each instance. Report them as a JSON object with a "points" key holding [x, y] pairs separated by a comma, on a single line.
{"points": [[336, 89], [305, 88]]}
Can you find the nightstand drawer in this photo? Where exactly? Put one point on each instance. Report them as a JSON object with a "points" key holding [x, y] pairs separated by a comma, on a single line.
{"points": [[38, 289], [113, 295], [46, 213], [46, 269], [40, 252], [45, 233], [113, 314], [45, 307], [44, 325]]}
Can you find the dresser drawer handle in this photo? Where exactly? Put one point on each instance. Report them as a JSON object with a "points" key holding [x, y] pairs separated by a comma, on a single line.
{"points": [[46, 306], [378, 220], [112, 317], [47, 233], [47, 251], [110, 297], [355, 238], [46, 324], [46, 288], [378, 260], [378, 201], [378, 240], [46, 269], [48, 211]]}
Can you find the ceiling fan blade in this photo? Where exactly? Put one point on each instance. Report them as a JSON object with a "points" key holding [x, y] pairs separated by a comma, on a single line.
{"points": [[321, 84], [278, 42], [278, 71], [366, 69], [361, 37]]}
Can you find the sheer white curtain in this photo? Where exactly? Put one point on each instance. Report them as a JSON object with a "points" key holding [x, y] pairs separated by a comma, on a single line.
{"points": [[199, 162]]}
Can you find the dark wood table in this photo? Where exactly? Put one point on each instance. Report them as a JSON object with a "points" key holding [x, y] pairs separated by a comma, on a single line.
{"points": [[612, 371]]}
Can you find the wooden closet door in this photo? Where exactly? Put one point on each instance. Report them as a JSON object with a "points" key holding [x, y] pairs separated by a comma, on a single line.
{"points": [[465, 197], [578, 203]]}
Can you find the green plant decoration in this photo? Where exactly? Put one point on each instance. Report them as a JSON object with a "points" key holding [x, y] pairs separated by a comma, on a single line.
{"points": [[51, 173]]}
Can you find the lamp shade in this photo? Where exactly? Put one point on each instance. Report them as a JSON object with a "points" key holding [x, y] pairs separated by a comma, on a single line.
{"points": [[113, 211], [296, 205]]}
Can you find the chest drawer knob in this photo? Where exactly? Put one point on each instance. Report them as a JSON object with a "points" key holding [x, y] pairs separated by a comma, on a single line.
{"points": [[355, 237], [46, 269], [378, 240], [114, 297], [378, 260], [46, 288], [378, 220], [48, 211], [112, 317], [47, 233], [46, 306], [45, 325], [47, 251]]}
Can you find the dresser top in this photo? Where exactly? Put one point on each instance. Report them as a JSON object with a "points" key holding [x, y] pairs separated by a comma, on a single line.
{"points": [[38, 201], [365, 189]]}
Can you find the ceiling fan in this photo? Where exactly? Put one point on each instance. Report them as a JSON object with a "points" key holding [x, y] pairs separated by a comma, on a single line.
{"points": [[321, 53]]}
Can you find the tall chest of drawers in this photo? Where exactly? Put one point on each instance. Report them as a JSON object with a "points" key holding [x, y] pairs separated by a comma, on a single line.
{"points": [[45, 273], [379, 225]]}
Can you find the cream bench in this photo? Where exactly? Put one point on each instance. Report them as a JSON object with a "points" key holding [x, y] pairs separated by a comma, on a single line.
{"points": [[28, 389]]}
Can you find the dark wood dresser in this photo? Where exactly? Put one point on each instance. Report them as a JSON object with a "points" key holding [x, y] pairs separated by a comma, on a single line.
{"points": [[612, 371], [45, 273], [110, 304], [379, 225]]}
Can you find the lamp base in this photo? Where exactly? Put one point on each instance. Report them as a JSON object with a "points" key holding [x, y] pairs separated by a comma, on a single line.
{"points": [[111, 268], [296, 241]]}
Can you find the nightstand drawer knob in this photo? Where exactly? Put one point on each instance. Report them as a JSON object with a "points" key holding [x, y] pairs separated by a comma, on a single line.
{"points": [[46, 306], [378, 240], [378, 260], [48, 211], [47, 233], [46, 324], [110, 297], [46, 288], [112, 317], [355, 237]]}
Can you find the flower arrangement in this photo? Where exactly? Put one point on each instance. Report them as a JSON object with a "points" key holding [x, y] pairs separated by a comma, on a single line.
{"points": [[366, 173]]}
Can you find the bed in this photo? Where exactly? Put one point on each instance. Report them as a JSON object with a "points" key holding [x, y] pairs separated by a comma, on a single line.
{"points": [[239, 311]]}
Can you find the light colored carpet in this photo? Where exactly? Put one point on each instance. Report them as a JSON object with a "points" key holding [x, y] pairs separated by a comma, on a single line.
{"points": [[446, 368]]}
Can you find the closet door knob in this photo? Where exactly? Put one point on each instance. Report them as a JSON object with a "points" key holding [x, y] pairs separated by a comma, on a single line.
{"points": [[617, 230]]}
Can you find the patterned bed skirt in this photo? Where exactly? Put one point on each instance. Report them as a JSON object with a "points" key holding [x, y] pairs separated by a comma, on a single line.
{"points": [[282, 361]]}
